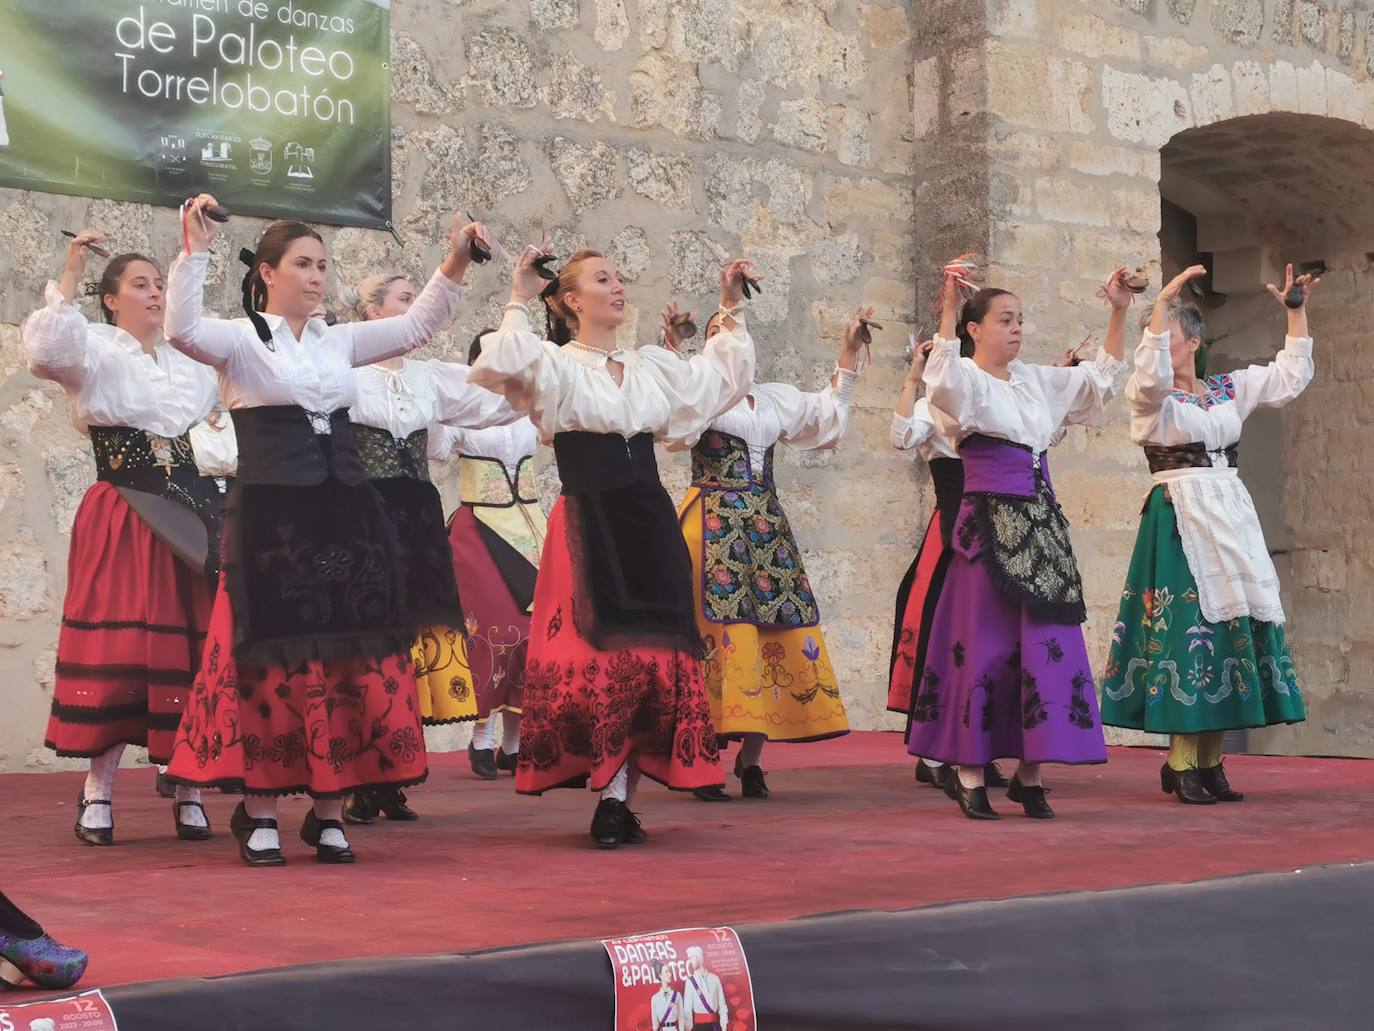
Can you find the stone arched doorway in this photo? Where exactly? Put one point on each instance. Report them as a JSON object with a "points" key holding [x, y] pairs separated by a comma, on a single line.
{"points": [[1247, 195]]}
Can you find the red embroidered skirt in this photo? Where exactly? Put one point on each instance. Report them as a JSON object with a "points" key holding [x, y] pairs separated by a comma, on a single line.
{"points": [[915, 613], [320, 727], [588, 711], [498, 629], [133, 624]]}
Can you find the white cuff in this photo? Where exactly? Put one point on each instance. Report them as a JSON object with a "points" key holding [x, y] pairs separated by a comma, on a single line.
{"points": [[1155, 341], [53, 299], [516, 319], [454, 288], [1300, 346], [845, 381], [1109, 364], [941, 344]]}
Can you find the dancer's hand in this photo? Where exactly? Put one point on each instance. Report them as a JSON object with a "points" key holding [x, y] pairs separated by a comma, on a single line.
{"points": [[857, 337], [674, 326], [732, 276], [525, 281], [1305, 284], [1159, 318], [200, 231], [461, 237]]}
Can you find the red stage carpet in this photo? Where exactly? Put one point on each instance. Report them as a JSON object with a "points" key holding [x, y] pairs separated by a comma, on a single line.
{"points": [[846, 828]]}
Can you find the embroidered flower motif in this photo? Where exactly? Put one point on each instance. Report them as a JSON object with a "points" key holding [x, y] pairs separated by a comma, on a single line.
{"points": [[713, 522], [765, 582], [722, 576], [405, 744], [333, 564], [810, 650]]}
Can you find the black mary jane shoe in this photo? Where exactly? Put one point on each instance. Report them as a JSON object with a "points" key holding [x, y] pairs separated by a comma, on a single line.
{"points": [[164, 786], [483, 763], [1031, 798], [993, 777], [973, 801], [311, 829], [608, 827], [1214, 782], [506, 761], [935, 776], [715, 793], [358, 808], [1186, 784], [242, 826], [391, 803], [631, 830], [752, 784], [189, 831], [93, 835]]}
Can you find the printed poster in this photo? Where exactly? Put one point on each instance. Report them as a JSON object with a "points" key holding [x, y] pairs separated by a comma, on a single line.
{"points": [[281, 108], [88, 1011], [690, 979]]}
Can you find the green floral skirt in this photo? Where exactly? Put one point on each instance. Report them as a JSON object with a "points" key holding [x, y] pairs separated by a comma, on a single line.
{"points": [[1170, 671]]}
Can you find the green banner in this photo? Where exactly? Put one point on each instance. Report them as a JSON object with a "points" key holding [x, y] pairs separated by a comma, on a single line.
{"points": [[280, 108]]}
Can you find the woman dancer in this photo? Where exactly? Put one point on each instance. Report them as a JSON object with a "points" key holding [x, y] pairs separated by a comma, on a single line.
{"points": [[1006, 672], [767, 671], [398, 401], [1198, 648], [613, 686], [496, 534], [308, 679], [138, 600], [913, 426]]}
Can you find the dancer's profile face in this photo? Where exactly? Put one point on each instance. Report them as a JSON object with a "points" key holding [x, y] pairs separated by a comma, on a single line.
{"points": [[399, 296], [295, 287], [997, 338], [597, 296], [713, 325], [1182, 348], [137, 303]]}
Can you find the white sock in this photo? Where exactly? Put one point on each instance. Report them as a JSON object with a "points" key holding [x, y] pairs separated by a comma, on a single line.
{"points": [[483, 736], [510, 733], [262, 807], [751, 749], [191, 815], [100, 785], [1028, 774], [331, 809], [161, 768], [619, 787], [970, 776], [933, 764]]}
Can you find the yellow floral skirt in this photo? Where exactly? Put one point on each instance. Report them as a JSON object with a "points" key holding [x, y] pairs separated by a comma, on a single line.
{"points": [[442, 677], [763, 680]]}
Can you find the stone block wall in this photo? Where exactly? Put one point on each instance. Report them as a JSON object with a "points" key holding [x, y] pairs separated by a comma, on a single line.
{"points": [[670, 133]]}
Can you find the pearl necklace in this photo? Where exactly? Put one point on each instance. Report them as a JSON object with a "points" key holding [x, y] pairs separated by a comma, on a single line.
{"points": [[590, 349]]}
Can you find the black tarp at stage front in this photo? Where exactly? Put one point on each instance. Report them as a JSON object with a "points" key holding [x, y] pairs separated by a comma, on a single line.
{"points": [[1260, 952]]}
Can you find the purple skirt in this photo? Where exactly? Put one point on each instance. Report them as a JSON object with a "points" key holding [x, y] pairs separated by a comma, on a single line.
{"points": [[1002, 679]]}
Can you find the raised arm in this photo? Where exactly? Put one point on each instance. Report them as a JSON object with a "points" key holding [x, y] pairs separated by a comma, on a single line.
{"points": [[1152, 380], [378, 339], [909, 431], [1077, 395], [819, 420], [700, 388], [55, 341], [1287, 376], [463, 403]]}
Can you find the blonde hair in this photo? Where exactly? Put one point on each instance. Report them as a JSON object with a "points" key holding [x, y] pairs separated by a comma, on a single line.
{"points": [[559, 312], [369, 293]]}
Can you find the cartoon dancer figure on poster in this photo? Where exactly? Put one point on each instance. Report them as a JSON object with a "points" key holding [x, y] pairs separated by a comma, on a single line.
{"points": [[704, 996], [666, 1008]]}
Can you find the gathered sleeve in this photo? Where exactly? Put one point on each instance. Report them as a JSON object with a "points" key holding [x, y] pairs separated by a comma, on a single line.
{"points": [[701, 388], [1152, 379], [441, 441], [55, 341], [516, 363], [1077, 395], [906, 433], [376, 340], [461, 402], [955, 385], [1275, 384], [187, 328], [814, 421]]}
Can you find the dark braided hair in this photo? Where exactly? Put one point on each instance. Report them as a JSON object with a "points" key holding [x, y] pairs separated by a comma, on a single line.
{"points": [[475, 351], [562, 322], [276, 240], [108, 283]]}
